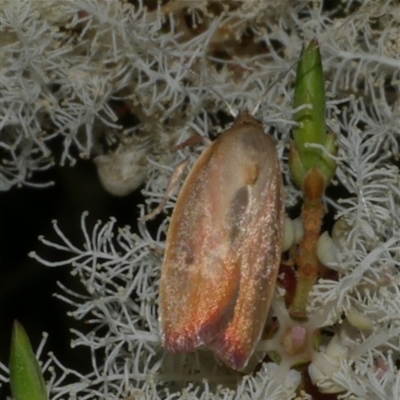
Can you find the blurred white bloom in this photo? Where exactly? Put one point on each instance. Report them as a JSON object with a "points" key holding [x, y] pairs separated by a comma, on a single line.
{"points": [[123, 170], [327, 252], [373, 373]]}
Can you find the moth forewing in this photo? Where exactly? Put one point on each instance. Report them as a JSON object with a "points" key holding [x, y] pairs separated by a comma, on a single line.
{"points": [[223, 246], [196, 298], [260, 253]]}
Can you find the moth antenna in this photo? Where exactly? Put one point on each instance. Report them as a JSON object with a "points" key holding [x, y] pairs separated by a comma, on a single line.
{"points": [[171, 188], [231, 110], [256, 107]]}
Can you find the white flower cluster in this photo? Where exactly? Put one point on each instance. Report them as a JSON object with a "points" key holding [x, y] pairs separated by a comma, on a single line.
{"points": [[62, 65]]}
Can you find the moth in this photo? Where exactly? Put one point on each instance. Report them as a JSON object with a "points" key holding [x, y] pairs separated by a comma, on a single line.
{"points": [[223, 247]]}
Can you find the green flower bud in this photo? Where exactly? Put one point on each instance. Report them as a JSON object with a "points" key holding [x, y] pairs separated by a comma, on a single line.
{"points": [[310, 90], [26, 377]]}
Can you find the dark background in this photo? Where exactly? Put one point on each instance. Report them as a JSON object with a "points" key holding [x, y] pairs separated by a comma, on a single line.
{"points": [[27, 287]]}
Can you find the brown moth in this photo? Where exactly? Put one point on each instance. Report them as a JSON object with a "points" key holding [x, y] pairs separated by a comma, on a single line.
{"points": [[224, 247], [224, 244]]}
